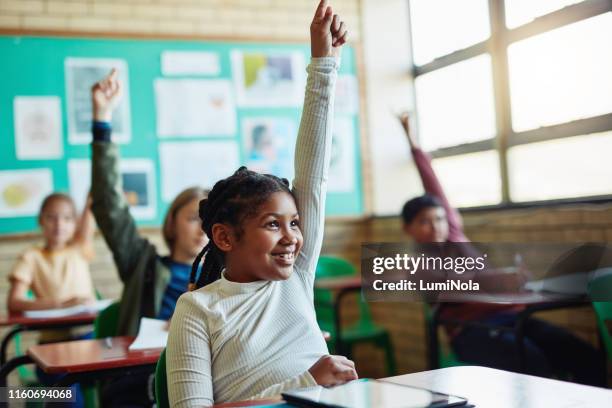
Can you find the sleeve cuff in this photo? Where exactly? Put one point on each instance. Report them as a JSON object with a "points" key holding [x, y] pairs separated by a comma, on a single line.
{"points": [[101, 131], [325, 64]]}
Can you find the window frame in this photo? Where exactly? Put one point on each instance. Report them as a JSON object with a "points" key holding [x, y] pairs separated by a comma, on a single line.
{"points": [[496, 46]]}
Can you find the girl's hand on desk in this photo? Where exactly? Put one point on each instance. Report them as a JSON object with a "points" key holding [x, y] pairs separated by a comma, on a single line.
{"points": [[333, 370], [76, 301], [105, 96]]}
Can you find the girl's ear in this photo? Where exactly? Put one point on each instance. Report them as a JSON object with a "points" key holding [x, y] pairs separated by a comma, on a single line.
{"points": [[223, 237]]}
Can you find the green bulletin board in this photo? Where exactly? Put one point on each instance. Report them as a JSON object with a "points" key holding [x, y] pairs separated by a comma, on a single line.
{"points": [[34, 66]]}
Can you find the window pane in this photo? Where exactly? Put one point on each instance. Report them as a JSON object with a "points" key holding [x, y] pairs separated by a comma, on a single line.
{"points": [[562, 75], [564, 168], [519, 12], [455, 104], [470, 180], [440, 27]]}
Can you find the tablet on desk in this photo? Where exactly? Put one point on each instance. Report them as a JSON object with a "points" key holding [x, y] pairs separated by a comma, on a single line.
{"points": [[371, 394]]}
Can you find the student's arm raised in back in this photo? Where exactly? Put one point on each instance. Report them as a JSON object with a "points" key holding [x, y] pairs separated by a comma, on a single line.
{"points": [[108, 202], [85, 231], [432, 185], [313, 147]]}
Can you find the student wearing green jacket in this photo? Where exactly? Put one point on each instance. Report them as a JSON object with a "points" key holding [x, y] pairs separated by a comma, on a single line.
{"points": [[152, 282]]}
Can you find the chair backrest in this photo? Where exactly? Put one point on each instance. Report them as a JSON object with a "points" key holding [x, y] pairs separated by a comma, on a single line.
{"points": [[601, 288], [105, 324], [161, 386], [332, 267]]}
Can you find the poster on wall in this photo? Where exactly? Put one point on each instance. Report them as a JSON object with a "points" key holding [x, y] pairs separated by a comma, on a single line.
{"points": [[269, 145], [194, 107], [347, 95], [342, 164], [268, 79], [138, 179], [202, 164], [38, 127], [81, 74], [22, 191], [190, 63]]}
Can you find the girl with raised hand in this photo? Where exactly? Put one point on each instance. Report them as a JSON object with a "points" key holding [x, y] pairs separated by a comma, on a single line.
{"points": [[250, 330], [152, 283]]}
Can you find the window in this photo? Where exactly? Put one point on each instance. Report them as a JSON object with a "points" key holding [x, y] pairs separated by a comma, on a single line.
{"points": [[435, 34], [519, 12], [562, 75], [513, 97], [462, 93]]}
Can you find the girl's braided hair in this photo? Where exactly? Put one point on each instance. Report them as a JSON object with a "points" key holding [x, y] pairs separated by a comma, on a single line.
{"points": [[231, 201]]}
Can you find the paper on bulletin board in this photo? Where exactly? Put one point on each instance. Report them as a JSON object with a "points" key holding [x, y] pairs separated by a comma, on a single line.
{"points": [[138, 179], [190, 63], [347, 95], [38, 127], [194, 107], [189, 164], [342, 164], [22, 191], [269, 145], [81, 75], [268, 79]]}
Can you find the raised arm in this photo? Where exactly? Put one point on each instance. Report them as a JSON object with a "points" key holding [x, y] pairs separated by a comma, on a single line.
{"points": [[85, 230], [312, 154], [431, 184], [108, 202]]}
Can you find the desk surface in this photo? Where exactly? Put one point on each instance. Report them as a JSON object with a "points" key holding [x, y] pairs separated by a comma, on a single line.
{"points": [[90, 355], [18, 318], [488, 387]]}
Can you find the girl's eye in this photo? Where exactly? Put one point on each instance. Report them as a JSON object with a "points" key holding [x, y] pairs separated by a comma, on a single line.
{"points": [[273, 224], [295, 223]]}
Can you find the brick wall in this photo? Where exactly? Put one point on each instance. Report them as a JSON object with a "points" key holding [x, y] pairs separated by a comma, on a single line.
{"points": [[251, 19]]}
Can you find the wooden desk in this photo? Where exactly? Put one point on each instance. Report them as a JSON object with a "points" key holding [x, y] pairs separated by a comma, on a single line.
{"points": [[86, 360], [342, 286], [21, 323], [488, 387]]}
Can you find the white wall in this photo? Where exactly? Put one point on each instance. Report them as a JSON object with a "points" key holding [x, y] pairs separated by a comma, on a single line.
{"points": [[385, 35]]}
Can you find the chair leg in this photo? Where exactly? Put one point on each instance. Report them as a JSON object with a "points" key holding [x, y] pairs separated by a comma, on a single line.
{"points": [[389, 354]]}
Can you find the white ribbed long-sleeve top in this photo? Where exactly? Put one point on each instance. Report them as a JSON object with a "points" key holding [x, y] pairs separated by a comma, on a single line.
{"points": [[232, 341]]}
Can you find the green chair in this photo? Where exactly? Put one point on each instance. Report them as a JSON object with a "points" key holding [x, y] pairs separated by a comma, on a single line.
{"points": [[161, 386], [363, 331], [601, 288]]}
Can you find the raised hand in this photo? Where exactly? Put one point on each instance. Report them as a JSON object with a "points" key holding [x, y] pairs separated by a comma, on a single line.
{"points": [[405, 121], [328, 32], [105, 95]]}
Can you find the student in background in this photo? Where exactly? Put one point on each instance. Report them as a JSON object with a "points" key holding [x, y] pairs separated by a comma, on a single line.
{"points": [[152, 283], [549, 350], [57, 274], [250, 330]]}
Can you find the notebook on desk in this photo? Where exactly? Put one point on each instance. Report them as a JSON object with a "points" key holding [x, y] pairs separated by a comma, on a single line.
{"points": [[368, 393]]}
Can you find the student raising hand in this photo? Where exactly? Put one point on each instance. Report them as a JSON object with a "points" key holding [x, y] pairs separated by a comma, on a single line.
{"points": [[327, 32], [405, 122], [105, 96]]}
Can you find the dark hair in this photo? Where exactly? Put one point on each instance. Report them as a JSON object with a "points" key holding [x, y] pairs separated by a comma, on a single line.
{"points": [[414, 206], [57, 197], [231, 201]]}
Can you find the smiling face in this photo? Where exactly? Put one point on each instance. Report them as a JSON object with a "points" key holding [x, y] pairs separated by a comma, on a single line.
{"points": [[267, 243]]}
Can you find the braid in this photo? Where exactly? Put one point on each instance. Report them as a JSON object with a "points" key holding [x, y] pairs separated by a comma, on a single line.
{"points": [[231, 200]]}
